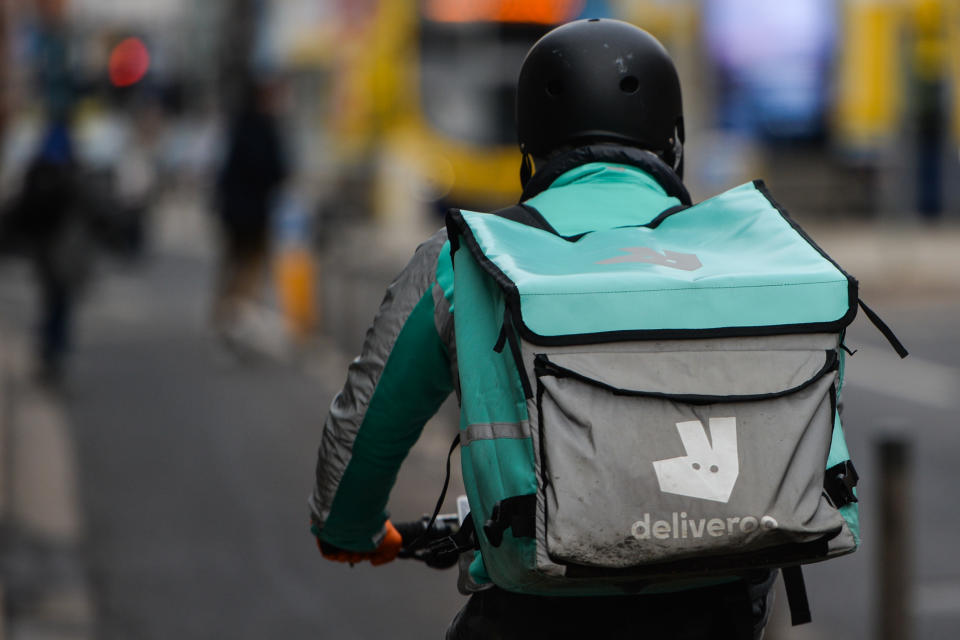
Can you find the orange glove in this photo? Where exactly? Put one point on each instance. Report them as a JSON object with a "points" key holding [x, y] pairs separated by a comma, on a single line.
{"points": [[387, 550]]}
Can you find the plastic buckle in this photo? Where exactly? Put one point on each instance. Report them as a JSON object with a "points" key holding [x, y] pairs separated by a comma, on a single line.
{"points": [[495, 526], [839, 483]]}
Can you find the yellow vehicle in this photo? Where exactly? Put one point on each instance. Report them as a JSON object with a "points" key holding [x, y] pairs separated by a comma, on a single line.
{"points": [[425, 109]]}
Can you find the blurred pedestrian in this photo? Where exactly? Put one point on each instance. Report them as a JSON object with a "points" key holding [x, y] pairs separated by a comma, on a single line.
{"points": [[136, 186], [253, 169], [51, 218]]}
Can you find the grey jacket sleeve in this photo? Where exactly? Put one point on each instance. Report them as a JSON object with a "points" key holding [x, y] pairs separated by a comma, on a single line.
{"points": [[397, 383]]}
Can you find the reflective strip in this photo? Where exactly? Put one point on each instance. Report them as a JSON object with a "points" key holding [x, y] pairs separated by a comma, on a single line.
{"points": [[491, 430]]}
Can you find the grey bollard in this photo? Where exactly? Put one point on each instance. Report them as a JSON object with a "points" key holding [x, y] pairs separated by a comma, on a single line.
{"points": [[894, 556]]}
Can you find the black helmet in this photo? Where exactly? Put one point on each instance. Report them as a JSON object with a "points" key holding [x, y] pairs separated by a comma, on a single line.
{"points": [[599, 80]]}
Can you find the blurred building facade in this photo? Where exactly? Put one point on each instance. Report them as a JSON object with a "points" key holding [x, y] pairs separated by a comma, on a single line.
{"points": [[847, 107], [399, 108]]}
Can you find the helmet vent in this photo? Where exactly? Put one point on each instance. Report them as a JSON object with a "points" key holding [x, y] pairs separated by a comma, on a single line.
{"points": [[554, 87], [629, 84]]}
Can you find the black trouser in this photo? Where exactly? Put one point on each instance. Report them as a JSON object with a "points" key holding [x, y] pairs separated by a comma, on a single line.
{"points": [[736, 610]]}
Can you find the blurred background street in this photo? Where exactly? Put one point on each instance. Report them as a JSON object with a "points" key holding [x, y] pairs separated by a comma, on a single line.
{"points": [[201, 204]]}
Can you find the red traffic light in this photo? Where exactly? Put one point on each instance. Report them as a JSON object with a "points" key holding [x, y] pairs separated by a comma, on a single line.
{"points": [[129, 62]]}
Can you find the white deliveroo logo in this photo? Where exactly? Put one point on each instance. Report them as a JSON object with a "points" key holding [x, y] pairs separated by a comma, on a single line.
{"points": [[672, 259], [707, 472]]}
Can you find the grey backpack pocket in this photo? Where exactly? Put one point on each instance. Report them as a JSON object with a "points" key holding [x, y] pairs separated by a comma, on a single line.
{"points": [[685, 461]]}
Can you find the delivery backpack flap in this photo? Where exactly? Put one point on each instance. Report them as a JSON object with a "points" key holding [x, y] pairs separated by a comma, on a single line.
{"points": [[649, 405], [713, 458]]}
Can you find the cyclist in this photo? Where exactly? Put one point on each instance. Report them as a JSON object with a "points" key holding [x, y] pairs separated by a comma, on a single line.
{"points": [[598, 103]]}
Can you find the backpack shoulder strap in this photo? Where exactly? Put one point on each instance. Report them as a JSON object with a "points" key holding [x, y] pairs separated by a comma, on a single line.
{"points": [[520, 213], [796, 595], [525, 214]]}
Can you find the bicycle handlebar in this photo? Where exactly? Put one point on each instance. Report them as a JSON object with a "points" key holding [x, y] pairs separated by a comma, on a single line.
{"points": [[429, 546]]}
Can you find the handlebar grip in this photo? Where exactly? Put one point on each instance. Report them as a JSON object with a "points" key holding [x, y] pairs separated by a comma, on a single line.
{"points": [[421, 544], [410, 531]]}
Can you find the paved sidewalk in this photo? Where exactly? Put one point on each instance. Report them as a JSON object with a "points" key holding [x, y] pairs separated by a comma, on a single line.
{"points": [[44, 583]]}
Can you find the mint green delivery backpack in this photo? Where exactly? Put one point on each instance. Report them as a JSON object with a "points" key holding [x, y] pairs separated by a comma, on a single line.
{"points": [[653, 407]]}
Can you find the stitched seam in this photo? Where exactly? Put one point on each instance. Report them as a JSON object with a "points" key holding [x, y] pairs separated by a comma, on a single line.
{"points": [[686, 289]]}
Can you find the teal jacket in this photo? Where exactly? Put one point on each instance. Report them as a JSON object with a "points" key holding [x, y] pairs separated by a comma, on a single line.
{"points": [[408, 367]]}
